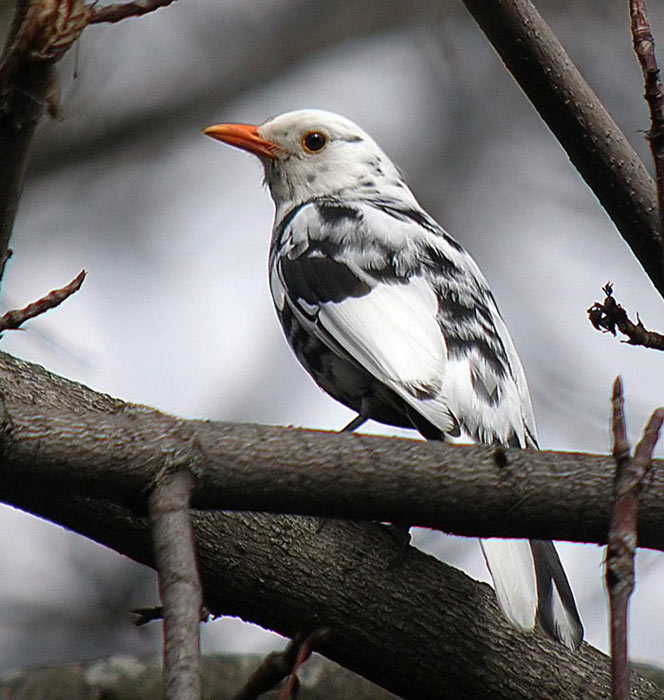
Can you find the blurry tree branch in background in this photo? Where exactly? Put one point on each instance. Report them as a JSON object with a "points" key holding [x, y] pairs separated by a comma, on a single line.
{"points": [[41, 32], [609, 316], [284, 664], [119, 11]]}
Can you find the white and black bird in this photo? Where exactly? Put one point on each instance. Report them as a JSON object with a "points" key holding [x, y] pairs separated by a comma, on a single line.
{"points": [[391, 316]]}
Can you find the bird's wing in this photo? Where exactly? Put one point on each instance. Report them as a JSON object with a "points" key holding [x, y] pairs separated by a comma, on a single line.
{"points": [[376, 285], [393, 333]]}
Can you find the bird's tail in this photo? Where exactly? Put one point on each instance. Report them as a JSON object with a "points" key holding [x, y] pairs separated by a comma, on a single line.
{"points": [[531, 587]]}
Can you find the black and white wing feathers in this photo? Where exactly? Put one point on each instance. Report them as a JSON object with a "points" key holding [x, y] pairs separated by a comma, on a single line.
{"points": [[389, 292]]}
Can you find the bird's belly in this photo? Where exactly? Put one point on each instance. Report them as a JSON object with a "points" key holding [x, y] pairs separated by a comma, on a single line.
{"points": [[344, 379]]}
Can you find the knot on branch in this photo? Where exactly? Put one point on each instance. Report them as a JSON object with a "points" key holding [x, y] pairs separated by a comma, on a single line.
{"points": [[610, 317]]}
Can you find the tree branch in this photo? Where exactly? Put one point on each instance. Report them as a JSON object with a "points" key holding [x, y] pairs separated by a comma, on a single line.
{"points": [[41, 33], [119, 11], [278, 665], [50, 436], [629, 479], [644, 47], [16, 318], [420, 629], [610, 315], [572, 111], [283, 572], [179, 584]]}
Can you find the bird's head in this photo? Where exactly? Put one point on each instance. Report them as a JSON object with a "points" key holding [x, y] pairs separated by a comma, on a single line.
{"points": [[310, 153]]}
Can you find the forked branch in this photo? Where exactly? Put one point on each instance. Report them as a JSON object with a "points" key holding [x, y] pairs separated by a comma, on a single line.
{"points": [[629, 479]]}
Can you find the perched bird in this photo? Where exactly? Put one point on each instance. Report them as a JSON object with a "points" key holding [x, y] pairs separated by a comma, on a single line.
{"points": [[391, 316]]}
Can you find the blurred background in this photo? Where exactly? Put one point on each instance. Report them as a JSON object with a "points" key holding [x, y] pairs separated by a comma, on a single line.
{"points": [[173, 230]]}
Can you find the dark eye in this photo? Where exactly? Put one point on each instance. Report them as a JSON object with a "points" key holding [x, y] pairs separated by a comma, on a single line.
{"points": [[314, 141]]}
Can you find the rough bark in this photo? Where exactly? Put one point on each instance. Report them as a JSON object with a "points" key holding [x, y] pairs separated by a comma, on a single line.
{"points": [[401, 619], [63, 436]]}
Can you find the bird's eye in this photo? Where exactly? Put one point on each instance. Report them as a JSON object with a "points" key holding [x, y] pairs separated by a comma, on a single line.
{"points": [[314, 141]]}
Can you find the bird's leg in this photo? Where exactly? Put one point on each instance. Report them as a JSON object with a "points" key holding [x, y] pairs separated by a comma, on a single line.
{"points": [[354, 424]]}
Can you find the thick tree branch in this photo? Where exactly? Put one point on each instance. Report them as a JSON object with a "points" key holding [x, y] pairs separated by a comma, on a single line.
{"points": [[572, 111], [610, 316], [50, 436], [420, 629]]}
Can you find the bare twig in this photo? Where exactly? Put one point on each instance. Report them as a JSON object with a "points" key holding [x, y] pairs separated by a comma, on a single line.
{"points": [[622, 539], [644, 46], [15, 318], [278, 665], [179, 584], [147, 615], [610, 316], [122, 10]]}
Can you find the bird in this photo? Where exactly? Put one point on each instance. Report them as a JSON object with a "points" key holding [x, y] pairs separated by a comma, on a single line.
{"points": [[392, 317]]}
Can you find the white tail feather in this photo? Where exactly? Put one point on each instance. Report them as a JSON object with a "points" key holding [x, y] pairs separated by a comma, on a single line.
{"points": [[511, 565]]}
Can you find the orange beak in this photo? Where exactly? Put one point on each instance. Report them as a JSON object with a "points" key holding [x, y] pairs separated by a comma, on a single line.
{"points": [[243, 136]]}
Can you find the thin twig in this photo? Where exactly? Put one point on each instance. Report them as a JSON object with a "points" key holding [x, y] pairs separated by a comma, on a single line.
{"points": [[179, 583], [122, 10], [644, 47], [15, 318], [610, 316], [156, 612], [278, 665], [304, 652], [622, 539]]}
